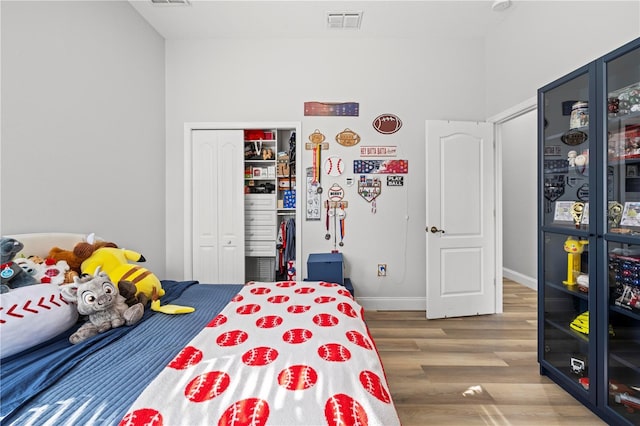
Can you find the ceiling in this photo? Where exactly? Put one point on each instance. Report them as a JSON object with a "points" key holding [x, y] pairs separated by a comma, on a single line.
{"points": [[303, 19]]}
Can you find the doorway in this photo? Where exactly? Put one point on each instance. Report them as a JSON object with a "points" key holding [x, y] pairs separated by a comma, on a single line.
{"points": [[516, 142]]}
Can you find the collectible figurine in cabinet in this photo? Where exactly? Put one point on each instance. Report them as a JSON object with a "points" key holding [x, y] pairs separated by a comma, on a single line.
{"points": [[574, 249]]}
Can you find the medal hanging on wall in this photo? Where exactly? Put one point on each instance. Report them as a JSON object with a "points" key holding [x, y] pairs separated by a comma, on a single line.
{"points": [[327, 236], [316, 168], [342, 215]]}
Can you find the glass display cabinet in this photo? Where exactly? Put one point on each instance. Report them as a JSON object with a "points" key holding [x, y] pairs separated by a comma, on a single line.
{"points": [[589, 234]]}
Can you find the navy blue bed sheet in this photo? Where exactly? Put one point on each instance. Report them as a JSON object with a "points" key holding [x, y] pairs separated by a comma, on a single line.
{"points": [[95, 382]]}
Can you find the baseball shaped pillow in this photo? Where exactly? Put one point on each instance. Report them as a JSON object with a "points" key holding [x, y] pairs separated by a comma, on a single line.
{"points": [[32, 315]]}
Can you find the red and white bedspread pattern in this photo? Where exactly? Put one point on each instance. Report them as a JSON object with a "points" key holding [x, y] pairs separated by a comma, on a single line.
{"points": [[285, 353]]}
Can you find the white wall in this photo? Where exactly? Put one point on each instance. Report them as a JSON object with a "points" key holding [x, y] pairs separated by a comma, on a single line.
{"points": [[83, 123], [269, 80], [543, 40], [519, 198]]}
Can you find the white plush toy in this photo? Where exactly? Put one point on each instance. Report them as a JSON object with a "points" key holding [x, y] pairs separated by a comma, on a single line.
{"points": [[47, 271]]}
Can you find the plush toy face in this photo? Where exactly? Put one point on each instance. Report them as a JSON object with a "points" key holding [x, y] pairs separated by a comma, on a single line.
{"points": [[28, 265], [9, 248], [12, 275], [92, 294]]}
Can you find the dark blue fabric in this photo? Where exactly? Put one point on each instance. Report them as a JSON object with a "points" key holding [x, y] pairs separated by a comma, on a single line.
{"points": [[103, 375]]}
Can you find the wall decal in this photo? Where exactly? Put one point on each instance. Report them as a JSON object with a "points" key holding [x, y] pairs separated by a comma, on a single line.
{"points": [[348, 137], [333, 165], [395, 180], [381, 166], [336, 109], [378, 151], [387, 124]]}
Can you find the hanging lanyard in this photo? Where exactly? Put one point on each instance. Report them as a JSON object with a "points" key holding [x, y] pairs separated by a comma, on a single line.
{"points": [[342, 214]]}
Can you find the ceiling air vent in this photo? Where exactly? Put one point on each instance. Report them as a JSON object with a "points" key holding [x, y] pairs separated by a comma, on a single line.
{"points": [[344, 20], [171, 2]]}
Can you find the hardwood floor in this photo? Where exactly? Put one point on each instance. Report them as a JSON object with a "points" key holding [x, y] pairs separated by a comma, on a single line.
{"points": [[478, 370]]}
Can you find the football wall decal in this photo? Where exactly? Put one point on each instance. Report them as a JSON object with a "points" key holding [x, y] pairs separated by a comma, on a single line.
{"points": [[387, 123]]}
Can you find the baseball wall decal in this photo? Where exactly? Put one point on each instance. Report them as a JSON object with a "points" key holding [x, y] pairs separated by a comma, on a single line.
{"points": [[333, 165]]}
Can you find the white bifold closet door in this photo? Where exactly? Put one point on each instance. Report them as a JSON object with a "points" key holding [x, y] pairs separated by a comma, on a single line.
{"points": [[218, 206]]}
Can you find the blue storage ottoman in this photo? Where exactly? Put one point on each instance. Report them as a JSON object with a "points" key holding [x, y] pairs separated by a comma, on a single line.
{"points": [[326, 267]]}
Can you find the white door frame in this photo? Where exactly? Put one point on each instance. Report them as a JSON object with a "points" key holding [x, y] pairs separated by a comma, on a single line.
{"points": [[498, 120], [188, 196]]}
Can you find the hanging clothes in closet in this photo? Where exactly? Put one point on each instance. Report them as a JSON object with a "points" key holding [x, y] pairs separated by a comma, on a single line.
{"points": [[286, 245]]}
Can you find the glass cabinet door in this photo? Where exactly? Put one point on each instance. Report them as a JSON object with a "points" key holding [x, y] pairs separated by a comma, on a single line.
{"points": [[566, 240], [565, 156], [623, 225], [566, 307]]}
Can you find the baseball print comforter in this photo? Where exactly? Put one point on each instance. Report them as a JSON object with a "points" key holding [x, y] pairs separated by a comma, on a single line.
{"points": [[283, 353]]}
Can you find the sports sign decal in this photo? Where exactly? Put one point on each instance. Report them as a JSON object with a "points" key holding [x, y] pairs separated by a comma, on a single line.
{"points": [[336, 193], [348, 137], [395, 180], [387, 124], [369, 188], [378, 151], [335, 109], [381, 166]]}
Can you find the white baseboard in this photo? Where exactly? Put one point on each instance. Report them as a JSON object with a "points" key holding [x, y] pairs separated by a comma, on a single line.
{"points": [[393, 303], [526, 281]]}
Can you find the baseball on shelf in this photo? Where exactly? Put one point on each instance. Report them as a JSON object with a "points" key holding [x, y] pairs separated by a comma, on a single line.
{"points": [[333, 166], [387, 123]]}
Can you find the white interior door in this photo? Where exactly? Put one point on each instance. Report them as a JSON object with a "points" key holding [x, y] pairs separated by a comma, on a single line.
{"points": [[218, 206], [460, 233]]}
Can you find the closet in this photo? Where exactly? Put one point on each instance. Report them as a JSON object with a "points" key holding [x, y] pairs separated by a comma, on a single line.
{"points": [[240, 201]]}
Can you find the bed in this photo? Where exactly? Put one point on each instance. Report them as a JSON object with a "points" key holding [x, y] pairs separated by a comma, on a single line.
{"points": [[281, 353]]}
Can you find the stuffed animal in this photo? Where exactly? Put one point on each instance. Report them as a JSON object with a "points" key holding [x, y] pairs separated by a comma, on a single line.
{"points": [[79, 254], [130, 293], [114, 261], [98, 298], [28, 265], [12, 275], [45, 271]]}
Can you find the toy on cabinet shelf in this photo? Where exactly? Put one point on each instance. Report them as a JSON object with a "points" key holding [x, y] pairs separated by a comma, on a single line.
{"points": [[574, 249]]}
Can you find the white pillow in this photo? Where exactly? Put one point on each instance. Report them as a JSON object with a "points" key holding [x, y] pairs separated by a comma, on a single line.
{"points": [[32, 315]]}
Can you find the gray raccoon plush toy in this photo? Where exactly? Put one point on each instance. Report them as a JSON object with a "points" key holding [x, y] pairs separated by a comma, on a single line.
{"points": [[99, 299]]}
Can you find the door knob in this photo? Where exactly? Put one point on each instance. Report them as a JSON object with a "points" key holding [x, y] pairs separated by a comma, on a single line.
{"points": [[435, 230]]}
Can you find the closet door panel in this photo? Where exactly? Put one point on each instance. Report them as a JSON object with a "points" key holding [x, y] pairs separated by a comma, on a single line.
{"points": [[218, 206]]}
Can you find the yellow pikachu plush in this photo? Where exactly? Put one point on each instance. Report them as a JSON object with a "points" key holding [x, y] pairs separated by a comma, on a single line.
{"points": [[115, 262]]}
